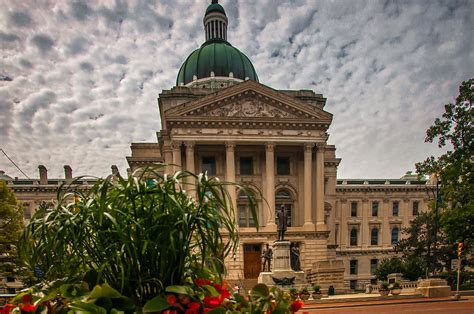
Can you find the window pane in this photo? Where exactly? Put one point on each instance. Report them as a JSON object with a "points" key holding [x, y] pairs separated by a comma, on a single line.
{"points": [[373, 265], [242, 216], [395, 207], [353, 267], [209, 165], [283, 165], [246, 165], [394, 236], [375, 209], [374, 237], [416, 204], [353, 209], [354, 237]]}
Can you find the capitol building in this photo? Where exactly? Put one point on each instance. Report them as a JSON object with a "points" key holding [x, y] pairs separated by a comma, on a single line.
{"points": [[220, 119]]}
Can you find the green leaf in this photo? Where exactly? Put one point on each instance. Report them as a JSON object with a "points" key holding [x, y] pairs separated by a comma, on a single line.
{"points": [[83, 307], [260, 291], [180, 290], [104, 291], [156, 304]]}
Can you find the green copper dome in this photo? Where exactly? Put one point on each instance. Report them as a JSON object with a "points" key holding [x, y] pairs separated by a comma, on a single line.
{"points": [[216, 57], [219, 57], [215, 7]]}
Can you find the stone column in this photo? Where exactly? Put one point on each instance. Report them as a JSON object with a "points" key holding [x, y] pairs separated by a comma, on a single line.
{"points": [[364, 228], [320, 225], [176, 156], [308, 153], [230, 171], [270, 184], [385, 225], [190, 167], [343, 226]]}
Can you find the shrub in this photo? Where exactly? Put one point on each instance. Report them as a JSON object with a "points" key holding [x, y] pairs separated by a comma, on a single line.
{"points": [[139, 235]]}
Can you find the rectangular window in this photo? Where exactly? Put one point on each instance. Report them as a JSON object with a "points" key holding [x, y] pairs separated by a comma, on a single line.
{"points": [[283, 166], [416, 208], [353, 237], [375, 209], [373, 265], [246, 165], [353, 209], [395, 208], [353, 284], [242, 216], [353, 266], [209, 165]]}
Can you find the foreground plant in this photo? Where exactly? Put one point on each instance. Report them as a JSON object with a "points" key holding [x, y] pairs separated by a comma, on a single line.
{"points": [[139, 235]]}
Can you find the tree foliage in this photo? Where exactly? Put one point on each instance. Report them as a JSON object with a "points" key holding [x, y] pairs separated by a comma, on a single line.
{"points": [[455, 169], [11, 225], [424, 247]]}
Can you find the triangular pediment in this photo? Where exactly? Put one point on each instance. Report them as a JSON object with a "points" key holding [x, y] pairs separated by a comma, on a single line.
{"points": [[250, 101]]}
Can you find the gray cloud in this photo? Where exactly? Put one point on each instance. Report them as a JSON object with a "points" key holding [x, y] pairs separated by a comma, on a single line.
{"points": [[8, 37], [80, 10], [386, 69], [20, 19], [43, 42]]}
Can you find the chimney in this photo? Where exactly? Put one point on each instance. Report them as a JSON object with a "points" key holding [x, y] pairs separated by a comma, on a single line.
{"points": [[67, 172], [43, 174], [115, 171]]}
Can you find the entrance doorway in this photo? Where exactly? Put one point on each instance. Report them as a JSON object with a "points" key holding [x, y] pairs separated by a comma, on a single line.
{"points": [[252, 260]]}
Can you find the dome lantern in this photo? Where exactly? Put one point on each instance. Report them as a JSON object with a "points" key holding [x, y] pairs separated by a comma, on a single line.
{"points": [[216, 64], [215, 22]]}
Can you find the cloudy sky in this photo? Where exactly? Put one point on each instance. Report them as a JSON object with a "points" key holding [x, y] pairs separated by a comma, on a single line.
{"points": [[79, 79]]}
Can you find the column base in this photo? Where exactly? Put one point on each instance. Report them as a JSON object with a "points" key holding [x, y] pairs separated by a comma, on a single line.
{"points": [[321, 226], [309, 226]]}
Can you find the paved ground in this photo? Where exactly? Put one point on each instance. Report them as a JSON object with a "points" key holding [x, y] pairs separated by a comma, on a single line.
{"points": [[465, 306]]}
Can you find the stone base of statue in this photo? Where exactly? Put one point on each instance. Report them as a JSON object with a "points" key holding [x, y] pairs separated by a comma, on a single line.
{"points": [[282, 275]]}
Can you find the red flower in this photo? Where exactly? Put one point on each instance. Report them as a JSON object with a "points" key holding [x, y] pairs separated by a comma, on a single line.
{"points": [[27, 298], [7, 308], [212, 302], [28, 308], [171, 299], [206, 309], [194, 306], [202, 282], [296, 306], [169, 312]]}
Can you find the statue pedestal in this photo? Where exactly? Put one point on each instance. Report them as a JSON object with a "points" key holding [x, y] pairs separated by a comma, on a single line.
{"points": [[281, 271]]}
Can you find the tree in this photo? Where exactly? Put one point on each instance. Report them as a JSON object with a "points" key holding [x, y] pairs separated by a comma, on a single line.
{"points": [[455, 168], [388, 266], [11, 225], [423, 248]]}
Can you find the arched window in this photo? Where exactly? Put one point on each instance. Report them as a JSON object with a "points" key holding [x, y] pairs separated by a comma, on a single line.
{"points": [[394, 235], [353, 237], [245, 213], [374, 236], [283, 197]]}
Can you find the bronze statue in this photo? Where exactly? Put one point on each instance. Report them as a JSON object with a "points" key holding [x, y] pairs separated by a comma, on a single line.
{"points": [[295, 257], [267, 255], [282, 222]]}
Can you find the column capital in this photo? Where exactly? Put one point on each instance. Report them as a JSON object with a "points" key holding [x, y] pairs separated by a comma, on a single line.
{"points": [[229, 146], [189, 144], [308, 147], [269, 146], [175, 145], [320, 146]]}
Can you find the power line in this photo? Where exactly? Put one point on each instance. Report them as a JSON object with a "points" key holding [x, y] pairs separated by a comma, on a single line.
{"points": [[14, 163]]}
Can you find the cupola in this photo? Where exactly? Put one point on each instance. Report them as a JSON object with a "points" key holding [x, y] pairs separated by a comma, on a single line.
{"points": [[216, 63]]}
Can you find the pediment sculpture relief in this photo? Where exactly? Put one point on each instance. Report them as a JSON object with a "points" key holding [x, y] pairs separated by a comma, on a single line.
{"points": [[249, 108]]}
